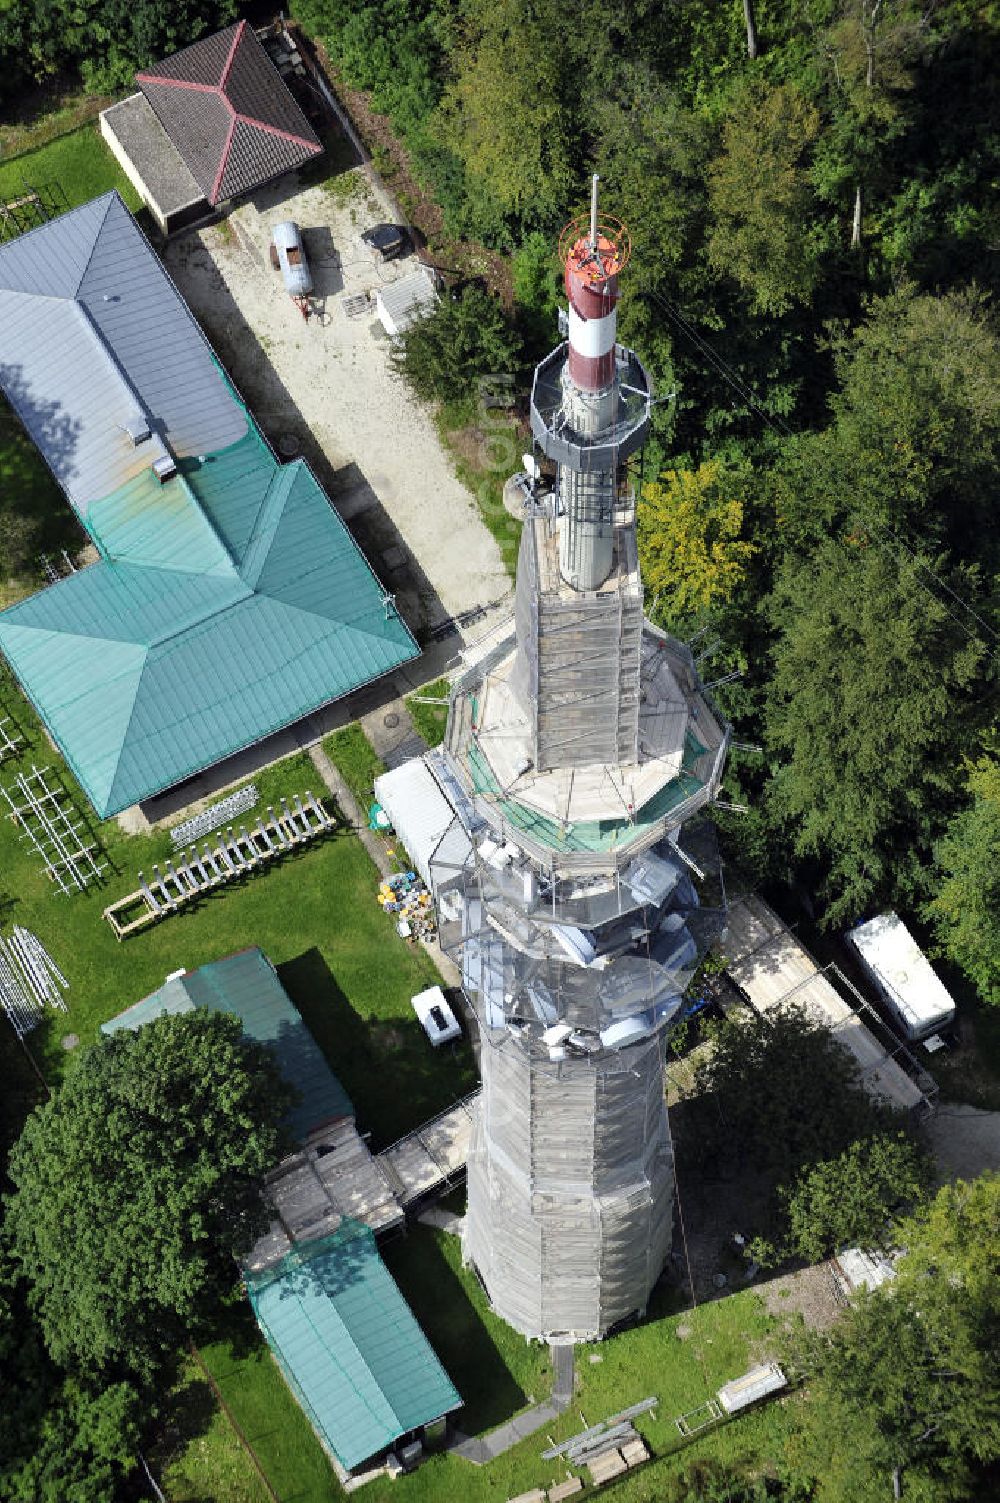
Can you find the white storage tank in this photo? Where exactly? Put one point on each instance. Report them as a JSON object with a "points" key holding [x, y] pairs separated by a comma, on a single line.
{"points": [[292, 263]]}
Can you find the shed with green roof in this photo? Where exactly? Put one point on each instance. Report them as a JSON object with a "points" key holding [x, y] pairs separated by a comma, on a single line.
{"points": [[349, 1346]]}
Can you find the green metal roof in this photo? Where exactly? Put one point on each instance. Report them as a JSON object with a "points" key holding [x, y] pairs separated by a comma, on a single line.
{"points": [[349, 1346], [247, 986], [230, 600], [229, 603]]}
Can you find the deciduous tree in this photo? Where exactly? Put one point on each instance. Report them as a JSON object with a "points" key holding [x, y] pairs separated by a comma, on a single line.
{"points": [[780, 1093], [61, 1441], [849, 1200], [759, 195], [466, 337], [875, 693], [691, 544], [137, 1183], [965, 910], [909, 1379]]}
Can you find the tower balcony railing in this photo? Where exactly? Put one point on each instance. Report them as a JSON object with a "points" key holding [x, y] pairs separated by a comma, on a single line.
{"points": [[550, 423]]}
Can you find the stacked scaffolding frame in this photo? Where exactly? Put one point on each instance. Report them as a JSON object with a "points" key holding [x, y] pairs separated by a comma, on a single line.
{"points": [[53, 828]]}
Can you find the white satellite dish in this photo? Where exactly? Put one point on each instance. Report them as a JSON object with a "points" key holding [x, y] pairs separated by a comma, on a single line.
{"points": [[531, 468]]}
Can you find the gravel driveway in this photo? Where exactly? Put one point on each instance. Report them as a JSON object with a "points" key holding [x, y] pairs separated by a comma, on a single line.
{"points": [[325, 388]]}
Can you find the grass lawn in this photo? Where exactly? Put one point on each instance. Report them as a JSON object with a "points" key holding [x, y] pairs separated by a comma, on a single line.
{"points": [[496, 1373], [356, 760], [79, 163], [486, 446], [430, 720], [199, 1455], [679, 1357], [34, 517], [314, 914]]}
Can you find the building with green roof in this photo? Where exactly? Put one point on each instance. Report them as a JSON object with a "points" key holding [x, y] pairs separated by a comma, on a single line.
{"points": [[246, 985], [345, 1339], [349, 1346], [229, 599]]}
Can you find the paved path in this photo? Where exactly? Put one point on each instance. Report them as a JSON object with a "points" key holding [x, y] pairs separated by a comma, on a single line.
{"points": [[375, 847], [965, 1141], [348, 805], [480, 1449]]}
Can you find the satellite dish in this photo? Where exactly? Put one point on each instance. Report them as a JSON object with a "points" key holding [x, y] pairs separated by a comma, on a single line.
{"points": [[531, 468]]}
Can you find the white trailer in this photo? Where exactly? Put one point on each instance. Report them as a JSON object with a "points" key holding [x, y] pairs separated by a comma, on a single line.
{"points": [[918, 1001], [289, 257]]}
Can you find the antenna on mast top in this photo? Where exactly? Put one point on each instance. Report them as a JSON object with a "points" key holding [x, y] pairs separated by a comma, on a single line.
{"points": [[593, 212]]}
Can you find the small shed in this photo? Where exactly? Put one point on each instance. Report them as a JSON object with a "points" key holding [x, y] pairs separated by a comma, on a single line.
{"points": [[349, 1346], [403, 303], [420, 812]]}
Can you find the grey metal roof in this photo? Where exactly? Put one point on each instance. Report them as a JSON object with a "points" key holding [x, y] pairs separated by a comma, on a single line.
{"points": [[92, 329], [409, 298]]}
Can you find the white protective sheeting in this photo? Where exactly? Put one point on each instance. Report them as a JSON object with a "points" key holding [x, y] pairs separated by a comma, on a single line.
{"points": [[420, 813]]}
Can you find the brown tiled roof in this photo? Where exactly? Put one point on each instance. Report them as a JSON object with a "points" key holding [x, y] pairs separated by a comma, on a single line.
{"points": [[225, 108]]}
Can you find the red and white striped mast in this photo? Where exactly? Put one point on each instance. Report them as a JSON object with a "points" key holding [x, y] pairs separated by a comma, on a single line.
{"points": [[593, 262], [593, 253]]}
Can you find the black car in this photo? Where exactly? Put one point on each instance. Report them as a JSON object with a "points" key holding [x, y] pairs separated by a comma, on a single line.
{"points": [[386, 241]]}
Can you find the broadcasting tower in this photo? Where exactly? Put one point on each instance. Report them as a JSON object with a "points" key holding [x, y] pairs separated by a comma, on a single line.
{"points": [[576, 748]]}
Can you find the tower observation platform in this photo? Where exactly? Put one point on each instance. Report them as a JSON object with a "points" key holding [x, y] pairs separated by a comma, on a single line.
{"points": [[566, 888]]}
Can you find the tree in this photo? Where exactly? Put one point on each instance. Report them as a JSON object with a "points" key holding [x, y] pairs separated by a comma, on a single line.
{"points": [[61, 1441], [850, 1199], [871, 46], [760, 198], [875, 694], [965, 910], [509, 114], [467, 336], [751, 22], [690, 545], [138, 1182], [917, 421], [105, 39], [779, 1093], [910, 1377]]}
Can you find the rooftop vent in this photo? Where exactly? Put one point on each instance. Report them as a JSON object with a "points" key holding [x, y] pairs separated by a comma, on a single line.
{"points": [[137, 428], [164, 468]]}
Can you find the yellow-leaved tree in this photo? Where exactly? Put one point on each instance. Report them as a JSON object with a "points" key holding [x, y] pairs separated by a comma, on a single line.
{"points": [[689, 525]]}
